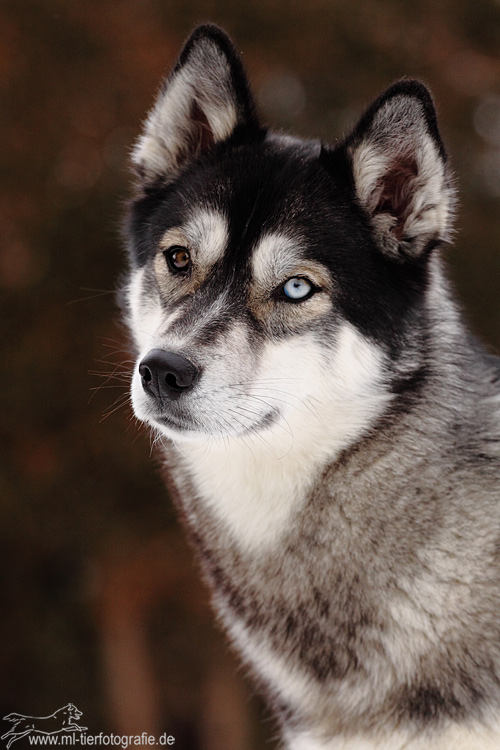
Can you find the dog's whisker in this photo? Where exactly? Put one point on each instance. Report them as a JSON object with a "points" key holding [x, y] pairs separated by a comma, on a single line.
{"points": [[107, 387], [119, 373], [95, 293], [112, 376], [120, 402]]}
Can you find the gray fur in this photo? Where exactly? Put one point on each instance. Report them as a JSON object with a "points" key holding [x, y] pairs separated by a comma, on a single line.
{"points": [[408, 516], [340, 484]]}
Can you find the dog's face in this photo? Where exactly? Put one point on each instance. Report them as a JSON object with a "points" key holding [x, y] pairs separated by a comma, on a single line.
{"points": [[70, 712], [274, 280]]}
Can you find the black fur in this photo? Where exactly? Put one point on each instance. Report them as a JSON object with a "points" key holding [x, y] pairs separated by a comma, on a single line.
{"points": [[383, 521]]}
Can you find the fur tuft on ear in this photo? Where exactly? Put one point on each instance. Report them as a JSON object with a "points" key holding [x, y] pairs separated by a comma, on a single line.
{"points": [[400, 171], [205, 100]]}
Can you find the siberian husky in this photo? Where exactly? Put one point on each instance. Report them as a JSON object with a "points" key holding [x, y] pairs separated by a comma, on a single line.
{"points": [[330, 427]]}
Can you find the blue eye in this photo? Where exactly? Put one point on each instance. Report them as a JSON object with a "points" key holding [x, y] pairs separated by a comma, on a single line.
{"points": [[297, 289]]}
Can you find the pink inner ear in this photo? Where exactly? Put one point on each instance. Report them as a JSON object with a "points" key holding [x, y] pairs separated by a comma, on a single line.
{"points": [[202, 136], [396, 192]]}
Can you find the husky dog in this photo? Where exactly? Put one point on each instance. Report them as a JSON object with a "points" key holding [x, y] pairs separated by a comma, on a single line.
{"points": [[331, 428]]}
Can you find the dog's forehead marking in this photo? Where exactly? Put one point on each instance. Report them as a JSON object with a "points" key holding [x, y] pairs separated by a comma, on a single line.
{"points": [[205, 232], [275, 255], [278, 256]]}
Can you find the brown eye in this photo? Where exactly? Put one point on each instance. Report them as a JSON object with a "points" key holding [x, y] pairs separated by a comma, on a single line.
{"points": [[178, 259]]}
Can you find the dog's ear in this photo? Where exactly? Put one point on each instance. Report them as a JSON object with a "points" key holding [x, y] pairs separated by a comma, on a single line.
{"points": [[399, 170], [205, 100]]}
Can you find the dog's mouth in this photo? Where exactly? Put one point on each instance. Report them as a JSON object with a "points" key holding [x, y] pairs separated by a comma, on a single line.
{"points": [[220, 425], [178, 424]]}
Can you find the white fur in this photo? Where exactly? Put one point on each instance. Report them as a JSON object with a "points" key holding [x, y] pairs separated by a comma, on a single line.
{"points": [[145, 313], [207, 233], [276, 256], [255, 483]]}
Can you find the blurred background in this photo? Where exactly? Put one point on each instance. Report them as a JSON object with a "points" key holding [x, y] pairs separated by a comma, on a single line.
{"points": [[101, 599]]}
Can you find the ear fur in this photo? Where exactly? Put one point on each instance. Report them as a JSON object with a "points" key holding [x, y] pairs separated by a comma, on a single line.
{"points": [[400, 172], [205, 100]]}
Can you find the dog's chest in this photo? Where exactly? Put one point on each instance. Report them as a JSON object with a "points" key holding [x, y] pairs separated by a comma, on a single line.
{"points": [[317, 581], [277, 554], [248, 496]]}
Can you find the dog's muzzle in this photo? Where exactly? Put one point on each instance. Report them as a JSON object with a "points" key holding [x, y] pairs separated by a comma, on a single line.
{"points": [[167, 375]]}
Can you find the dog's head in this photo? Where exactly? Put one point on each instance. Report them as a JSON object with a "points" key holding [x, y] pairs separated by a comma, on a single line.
{"points": [[274, 281], [70, 713]]}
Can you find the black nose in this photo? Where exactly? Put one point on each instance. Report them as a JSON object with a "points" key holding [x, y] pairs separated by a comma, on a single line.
{"points": [[166, 375]]}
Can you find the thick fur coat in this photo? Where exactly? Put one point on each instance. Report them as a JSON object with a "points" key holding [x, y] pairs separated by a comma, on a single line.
{"points": [[331, 428]]}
